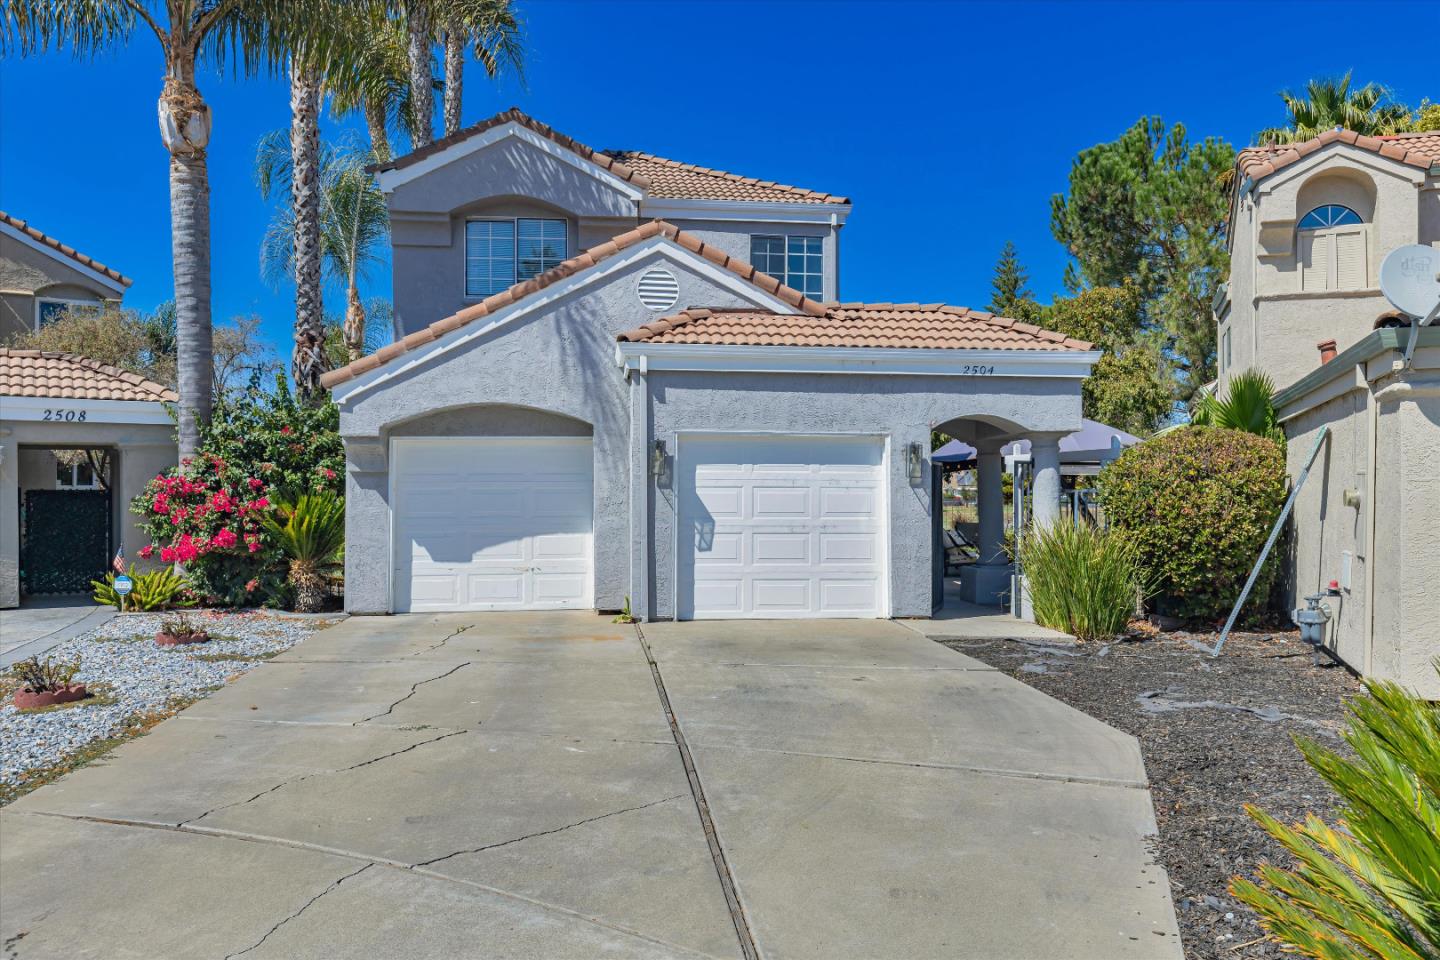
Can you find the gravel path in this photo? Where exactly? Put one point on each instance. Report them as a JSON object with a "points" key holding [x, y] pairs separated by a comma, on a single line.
{"points": [[138, 677], [1215, 733]]}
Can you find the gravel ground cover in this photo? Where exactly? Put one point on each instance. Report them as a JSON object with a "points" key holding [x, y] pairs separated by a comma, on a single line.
{"points": [[136, 678], [1215, 734]]}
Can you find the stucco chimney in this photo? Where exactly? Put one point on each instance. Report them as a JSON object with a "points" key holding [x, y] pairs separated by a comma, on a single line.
{"points": [[1327, 350]]}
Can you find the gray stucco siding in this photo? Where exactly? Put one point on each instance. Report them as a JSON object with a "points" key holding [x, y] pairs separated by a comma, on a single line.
{"points": [[734, 238], [897, 409], [560, 361]]}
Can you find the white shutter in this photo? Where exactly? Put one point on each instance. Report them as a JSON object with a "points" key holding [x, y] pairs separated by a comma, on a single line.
{"points": [[1351, 271], [1315, 260]]}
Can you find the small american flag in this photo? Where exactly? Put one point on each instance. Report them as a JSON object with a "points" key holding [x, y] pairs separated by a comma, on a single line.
{"points": [[119, 562]]}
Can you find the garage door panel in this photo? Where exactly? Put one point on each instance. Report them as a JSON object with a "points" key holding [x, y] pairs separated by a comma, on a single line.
{"points": [[490, 523], [781, 527]]}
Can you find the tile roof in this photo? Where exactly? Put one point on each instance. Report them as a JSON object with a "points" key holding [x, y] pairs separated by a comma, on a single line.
{"points": [[569, 267], [68, 376], [68, 251], [905, 325], [661, 178], [673, 180], [1416, 149]]}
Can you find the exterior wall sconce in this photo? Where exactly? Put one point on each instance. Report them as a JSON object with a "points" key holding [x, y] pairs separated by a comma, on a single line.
{"points": [[915, 461], [657, 459]]}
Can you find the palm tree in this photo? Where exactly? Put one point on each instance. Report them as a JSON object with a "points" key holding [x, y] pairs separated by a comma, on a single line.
{"points": [[1248, 405], [380, 88], [1329, 103], [352, 218], [493, 30], [310, 528], [307, 361], [252, 35]]}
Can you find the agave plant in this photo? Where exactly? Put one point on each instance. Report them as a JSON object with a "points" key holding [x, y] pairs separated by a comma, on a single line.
{"points": [[1369, 886], [310, 528], [1248, 406]]}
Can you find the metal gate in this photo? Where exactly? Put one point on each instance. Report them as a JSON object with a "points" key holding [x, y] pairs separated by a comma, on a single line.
{"points": [[64, 540]]}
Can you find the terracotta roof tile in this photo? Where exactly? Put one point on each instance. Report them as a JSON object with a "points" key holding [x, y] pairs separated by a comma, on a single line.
{"points": [[1415, 149], [67, 376], [64, 249], [660, 178], [586, 259], [906, 325]]}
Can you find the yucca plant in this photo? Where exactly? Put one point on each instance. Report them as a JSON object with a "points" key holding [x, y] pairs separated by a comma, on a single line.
{"points": [[1081, 579], [1248, 406], [1368, 886], [310, 528]]}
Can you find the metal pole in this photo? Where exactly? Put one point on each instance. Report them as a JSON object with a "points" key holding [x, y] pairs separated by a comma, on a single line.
{"points": [[1274, 535]]}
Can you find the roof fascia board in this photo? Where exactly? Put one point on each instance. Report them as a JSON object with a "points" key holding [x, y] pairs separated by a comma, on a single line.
{"points": [[90, 273], [890, 361], [1300, 395], [1359, 155], [390, 179], [662, 245], [745, 210], [33, 409]]}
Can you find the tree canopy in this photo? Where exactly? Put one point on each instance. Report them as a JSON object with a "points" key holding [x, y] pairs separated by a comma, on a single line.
{"points": [[1010, 291]]}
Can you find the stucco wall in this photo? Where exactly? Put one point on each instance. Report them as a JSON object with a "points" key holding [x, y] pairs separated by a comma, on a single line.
{"points": [[24, 269], [901, 409], [734, 239]]}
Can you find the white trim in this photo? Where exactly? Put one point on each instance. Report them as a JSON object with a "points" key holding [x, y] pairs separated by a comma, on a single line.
{"points": [[660, 244], [747, 211], [68, 301], [856, 360], [32, 410], [1361, 157], [390, 179], [90, 273]]}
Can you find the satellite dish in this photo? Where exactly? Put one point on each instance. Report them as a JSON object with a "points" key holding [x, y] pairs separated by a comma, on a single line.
{"points": [[1410, 279]]}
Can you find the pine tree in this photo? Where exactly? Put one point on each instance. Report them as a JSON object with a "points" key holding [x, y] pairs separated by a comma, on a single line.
{"points": [[1010, 296]]}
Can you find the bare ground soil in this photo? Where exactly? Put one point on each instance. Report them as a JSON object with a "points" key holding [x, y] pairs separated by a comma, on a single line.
{"points": [[1216, 733]]}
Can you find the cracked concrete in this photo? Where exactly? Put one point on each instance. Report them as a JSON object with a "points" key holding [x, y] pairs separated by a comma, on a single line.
{"points": [[446, 786]]}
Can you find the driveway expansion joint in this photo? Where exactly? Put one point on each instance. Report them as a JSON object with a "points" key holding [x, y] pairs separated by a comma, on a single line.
{"points": [[414, 688], [305, 906]]}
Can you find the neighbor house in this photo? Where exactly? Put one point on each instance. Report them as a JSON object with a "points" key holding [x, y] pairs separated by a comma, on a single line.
{"points": [[40, 278], [1310, 225], [621, 379]]}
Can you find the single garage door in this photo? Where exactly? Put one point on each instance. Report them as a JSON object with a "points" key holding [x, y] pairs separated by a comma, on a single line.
{"points": [[781, 527], [492, 523]]}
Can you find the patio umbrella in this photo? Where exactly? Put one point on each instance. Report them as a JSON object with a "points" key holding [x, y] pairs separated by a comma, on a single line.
{"points": [[1089, 444]]}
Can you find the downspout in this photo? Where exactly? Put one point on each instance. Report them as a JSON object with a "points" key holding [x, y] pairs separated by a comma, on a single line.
{"points": [[1372, 414]]}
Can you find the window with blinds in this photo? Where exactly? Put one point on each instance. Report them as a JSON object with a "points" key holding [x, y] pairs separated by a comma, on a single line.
{"points": [[499, 253]]}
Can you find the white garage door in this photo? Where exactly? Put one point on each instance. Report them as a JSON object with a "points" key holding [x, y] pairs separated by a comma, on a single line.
{"points": [[492, 524], [776, 527]]}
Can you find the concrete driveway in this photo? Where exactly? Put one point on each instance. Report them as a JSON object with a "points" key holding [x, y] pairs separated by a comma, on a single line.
{"points": [[513, 786]]}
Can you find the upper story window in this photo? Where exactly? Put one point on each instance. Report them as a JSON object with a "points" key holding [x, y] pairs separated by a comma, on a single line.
{"points": [[1333, 250], [49, 309], [1330, 215], [797, 262], [501, 253]]}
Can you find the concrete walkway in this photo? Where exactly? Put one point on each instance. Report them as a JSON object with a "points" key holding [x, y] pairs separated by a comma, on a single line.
{"points": [[38, 625], [959, 620], [511, 786]]}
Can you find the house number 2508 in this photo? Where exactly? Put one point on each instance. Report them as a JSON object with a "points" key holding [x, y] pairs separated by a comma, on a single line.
{"points": [[68, 416]]}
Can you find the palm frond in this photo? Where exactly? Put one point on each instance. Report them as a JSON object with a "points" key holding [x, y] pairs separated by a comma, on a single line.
{"points": [[87, 27]]}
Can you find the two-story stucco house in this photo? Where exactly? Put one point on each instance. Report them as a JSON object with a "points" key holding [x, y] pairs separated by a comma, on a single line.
{"points": [[41, 277], [1310, 225], [620, 378]]}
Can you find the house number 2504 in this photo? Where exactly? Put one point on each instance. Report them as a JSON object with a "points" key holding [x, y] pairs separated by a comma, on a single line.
{"points": [[68, 416]]}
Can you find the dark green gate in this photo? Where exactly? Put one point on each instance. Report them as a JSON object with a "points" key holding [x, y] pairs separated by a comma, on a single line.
{"points": [[64, 541]]}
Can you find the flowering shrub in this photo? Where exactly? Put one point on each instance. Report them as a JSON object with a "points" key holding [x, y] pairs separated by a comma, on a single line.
{"points": [[207, 513]]}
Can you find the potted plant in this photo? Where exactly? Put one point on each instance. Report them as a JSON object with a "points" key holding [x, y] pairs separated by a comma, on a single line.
{"points": [[178, 630], [311, 530], [45, 682]]}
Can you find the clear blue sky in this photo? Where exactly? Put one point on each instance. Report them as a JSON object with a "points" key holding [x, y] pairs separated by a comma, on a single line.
{"points": [[949, 125]]}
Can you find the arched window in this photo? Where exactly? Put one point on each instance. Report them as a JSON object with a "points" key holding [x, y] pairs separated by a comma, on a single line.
{"points": [[1329, 215]]}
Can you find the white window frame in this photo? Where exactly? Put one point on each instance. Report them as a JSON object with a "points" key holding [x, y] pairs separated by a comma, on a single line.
{"points": [[67, 301], [94, 483], [793, 284], [515, 251]]}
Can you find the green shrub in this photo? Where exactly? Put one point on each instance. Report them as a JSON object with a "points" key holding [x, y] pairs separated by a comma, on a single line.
{"points": [[1368, 887], [1082, 580], [1196, 504], [153, 590], [310, 529]]}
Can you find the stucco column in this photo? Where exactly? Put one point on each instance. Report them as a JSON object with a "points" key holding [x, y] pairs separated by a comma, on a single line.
{"points": [[9, 521], [1045, 487], [640, 480], [369, 563], [988, 580]]}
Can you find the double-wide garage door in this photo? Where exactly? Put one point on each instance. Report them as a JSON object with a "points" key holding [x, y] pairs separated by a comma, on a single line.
{"points": [[493, 524], [781, 527]]}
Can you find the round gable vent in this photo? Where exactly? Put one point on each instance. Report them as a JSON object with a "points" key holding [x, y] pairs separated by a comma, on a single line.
{"points": [[659, 289]]}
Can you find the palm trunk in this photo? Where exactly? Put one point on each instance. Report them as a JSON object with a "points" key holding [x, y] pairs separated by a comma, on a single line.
{"points": [[417, 21], [354, 321], [185, 116], [376, 127], [454, 76], [308, 361]]}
